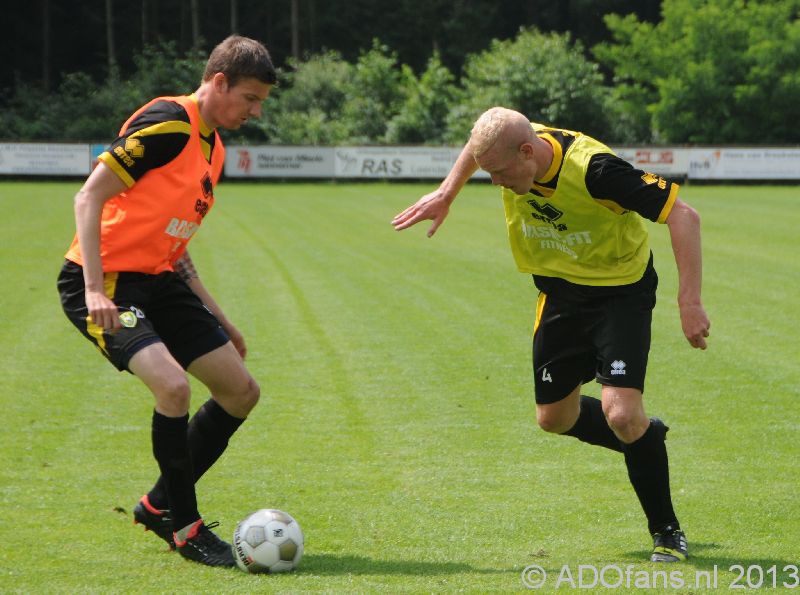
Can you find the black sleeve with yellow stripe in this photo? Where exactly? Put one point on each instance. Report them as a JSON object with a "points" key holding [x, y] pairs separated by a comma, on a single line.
{"points": [[152, 140], [621, 187]]}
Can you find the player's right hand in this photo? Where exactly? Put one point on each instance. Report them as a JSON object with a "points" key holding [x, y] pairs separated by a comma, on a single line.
{"points": [[102, 311], [434, 206], [695, 323]]}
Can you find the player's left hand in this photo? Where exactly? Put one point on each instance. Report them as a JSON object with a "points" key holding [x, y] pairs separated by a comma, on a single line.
{"points": [[696, 325]]}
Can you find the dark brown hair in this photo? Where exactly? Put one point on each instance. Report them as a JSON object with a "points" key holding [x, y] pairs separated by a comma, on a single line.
{"points": [[240, 57]]}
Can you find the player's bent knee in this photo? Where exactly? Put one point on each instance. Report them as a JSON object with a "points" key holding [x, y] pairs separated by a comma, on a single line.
{"points": [[628, 425], [241, 402], [251, 396], [618, 419], [173, 397], [553, 424]]}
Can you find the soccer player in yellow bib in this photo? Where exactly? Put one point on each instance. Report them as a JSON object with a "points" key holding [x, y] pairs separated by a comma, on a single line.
{"points": [[574, 215]]}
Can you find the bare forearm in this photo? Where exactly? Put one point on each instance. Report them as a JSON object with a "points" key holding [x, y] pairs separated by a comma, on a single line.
{"points": [[186, 270], [87, 224], [462, 170], [196, 285], [101, 185], [684, 227]]}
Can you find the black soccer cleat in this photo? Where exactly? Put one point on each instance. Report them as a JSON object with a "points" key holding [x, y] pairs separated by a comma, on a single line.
{"points": [[203, 546], [155, 520], [670, 546]]}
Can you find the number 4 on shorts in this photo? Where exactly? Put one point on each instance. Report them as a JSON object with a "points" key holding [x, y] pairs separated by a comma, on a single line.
{"points": [[546, 377]]}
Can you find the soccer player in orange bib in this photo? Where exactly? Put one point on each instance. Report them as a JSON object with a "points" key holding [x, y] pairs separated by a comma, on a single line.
{"points": [[129, 285]]}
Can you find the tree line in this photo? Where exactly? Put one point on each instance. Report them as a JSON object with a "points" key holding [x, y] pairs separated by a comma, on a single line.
{"points": [[44, 39], [702, 72]]}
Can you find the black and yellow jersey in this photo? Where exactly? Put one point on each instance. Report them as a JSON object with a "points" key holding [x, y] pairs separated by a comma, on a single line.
{"points": [[609, 179], [580, 225], [153, 139], [146, 227]]}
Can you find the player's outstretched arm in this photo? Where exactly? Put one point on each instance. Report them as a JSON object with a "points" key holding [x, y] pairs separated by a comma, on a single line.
{"points": [[435, 205], [684, 229]]}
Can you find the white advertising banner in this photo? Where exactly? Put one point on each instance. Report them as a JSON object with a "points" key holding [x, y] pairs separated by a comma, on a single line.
{"points": [[665, 161], [381, 163], [396, 162], [34, 159], [755, 163], [279, 162]]}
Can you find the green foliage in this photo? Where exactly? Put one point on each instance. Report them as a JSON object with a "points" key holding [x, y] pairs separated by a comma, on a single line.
{"points": [[374, 95], [82, 110], [426, 101], [544, 76], [163, 70], [306, 107], [20, 118], [632, 93], [325, 100], [712, 71], [85, 111], [769, 98]]}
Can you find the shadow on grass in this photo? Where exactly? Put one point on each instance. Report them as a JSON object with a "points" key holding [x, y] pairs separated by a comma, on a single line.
{"points": [[703, 557], [361, 565]]}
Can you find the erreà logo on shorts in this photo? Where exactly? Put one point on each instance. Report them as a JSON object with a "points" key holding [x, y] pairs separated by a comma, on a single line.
{"points": [[618, 368]]}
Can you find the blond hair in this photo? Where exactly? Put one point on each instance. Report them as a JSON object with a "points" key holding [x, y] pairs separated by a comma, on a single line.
{"points": [[496, 123]]}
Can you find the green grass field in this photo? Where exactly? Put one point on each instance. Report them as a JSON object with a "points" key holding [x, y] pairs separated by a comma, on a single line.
{"points": [[397, 420]]}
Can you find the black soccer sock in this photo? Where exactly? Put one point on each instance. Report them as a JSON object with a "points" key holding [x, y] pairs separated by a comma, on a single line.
{"points": [[208, 434], [592, 426], [171, 449], [648, 470]]}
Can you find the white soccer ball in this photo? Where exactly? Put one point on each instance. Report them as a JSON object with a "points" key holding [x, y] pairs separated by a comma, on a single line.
{"points": [[268, 540]]}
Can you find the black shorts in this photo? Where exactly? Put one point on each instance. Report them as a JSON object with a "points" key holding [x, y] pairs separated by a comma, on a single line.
{"points": [[153, 309], [605, 337]]}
